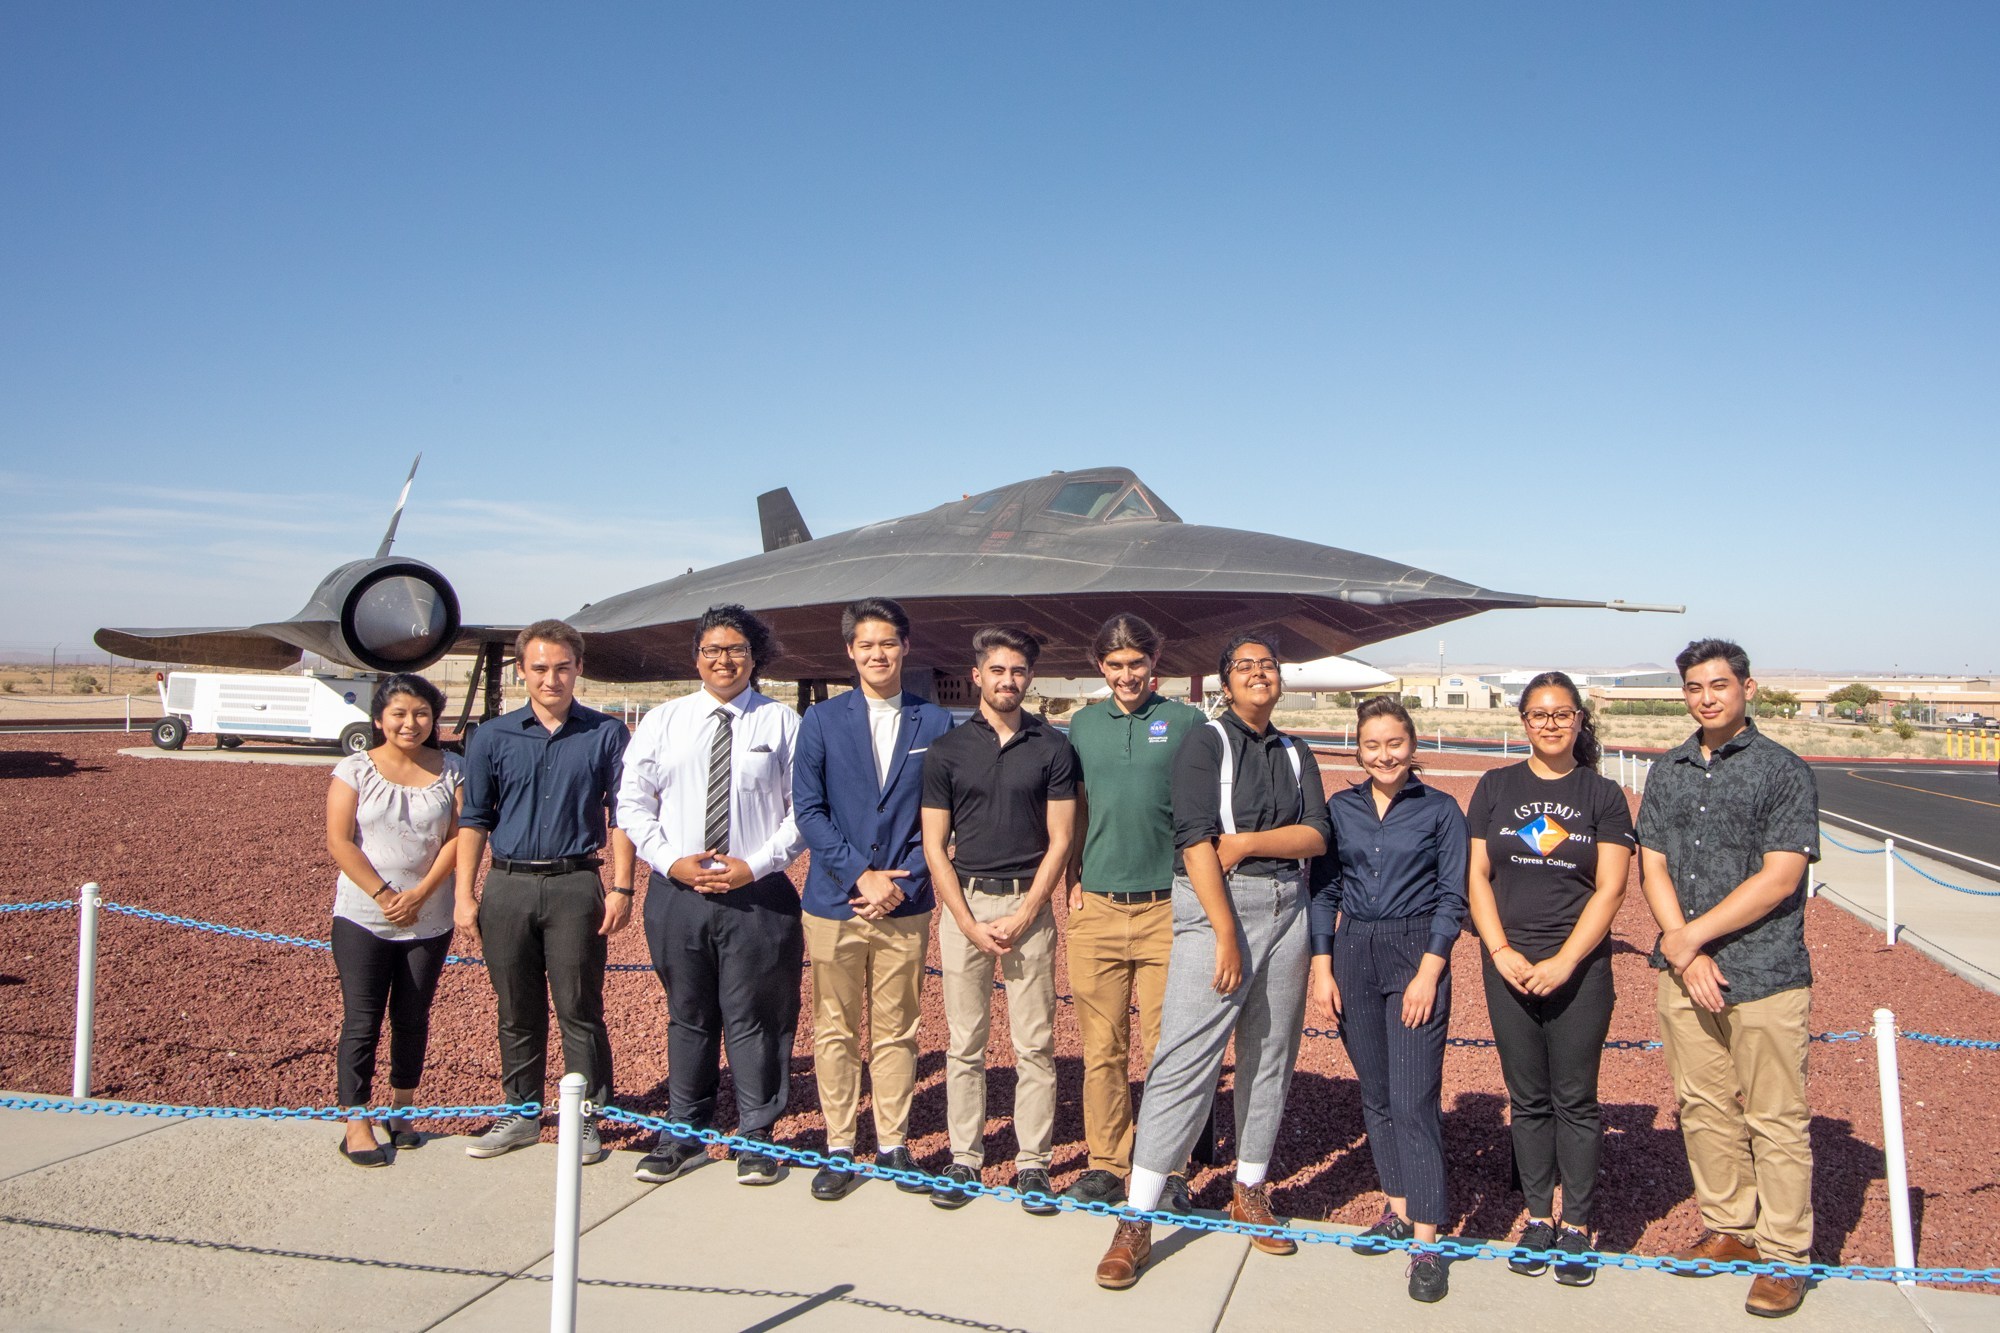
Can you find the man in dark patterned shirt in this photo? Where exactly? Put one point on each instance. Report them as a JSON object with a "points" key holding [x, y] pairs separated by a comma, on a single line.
{"points": [[1728, 827]]}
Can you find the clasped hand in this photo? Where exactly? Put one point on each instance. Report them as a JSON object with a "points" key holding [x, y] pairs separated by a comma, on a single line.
{"points": [[876, 893], [710, 872]]}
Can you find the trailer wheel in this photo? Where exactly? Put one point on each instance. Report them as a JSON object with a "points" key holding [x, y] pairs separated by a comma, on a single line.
{"points": [[229, 742], [356, 737], [170, 733]]}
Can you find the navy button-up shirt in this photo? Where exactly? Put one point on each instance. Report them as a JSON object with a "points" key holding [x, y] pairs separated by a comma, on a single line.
{"points": [[542, 794], [1408, 862]]}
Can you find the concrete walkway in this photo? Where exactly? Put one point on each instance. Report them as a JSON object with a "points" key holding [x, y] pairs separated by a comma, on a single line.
{"points": [[113, 1223], [1960, 931]]}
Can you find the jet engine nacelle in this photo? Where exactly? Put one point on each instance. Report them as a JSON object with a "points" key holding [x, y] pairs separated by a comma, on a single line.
{"points": [[387, 614]]}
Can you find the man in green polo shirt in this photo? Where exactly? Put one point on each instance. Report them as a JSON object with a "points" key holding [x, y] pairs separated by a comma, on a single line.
{"points": [[1121, 914]]}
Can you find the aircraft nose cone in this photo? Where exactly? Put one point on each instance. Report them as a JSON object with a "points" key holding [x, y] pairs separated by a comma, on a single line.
{"points": [[401, 619]]}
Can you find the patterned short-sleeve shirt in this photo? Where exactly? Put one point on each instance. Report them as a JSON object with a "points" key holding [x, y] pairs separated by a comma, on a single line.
{"points": [[1714, 819]]}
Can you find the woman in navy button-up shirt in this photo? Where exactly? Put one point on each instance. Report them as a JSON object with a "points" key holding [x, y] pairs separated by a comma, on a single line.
{"points": [[1395, 882]]}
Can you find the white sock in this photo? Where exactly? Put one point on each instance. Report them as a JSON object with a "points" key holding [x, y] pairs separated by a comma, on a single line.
{"points": [[1252, 1173], [1143, 1191]]}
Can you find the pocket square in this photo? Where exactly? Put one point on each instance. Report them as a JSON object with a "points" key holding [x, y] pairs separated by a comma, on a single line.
{"points": [[760, 749], [918, 749]]}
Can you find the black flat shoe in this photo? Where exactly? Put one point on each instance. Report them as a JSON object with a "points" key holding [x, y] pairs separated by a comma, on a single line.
{"points": [[402, 1133], [375, 1156]]}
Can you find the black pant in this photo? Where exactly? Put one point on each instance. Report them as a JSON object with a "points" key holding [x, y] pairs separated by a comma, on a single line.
{"points": [[541, 945], [378, 975], [731, 964], [1550, 1049], [1401, 1070]]}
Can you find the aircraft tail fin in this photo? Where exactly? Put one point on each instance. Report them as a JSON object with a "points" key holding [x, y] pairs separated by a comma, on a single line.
{"points": [[389, 537], [783, 524]]}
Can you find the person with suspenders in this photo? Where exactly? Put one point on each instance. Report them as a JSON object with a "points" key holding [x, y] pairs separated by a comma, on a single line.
{"points": [[1249, 813]]}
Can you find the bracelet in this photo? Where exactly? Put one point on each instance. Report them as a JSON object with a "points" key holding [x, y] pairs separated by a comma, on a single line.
{"points": [[386, 888], [627, 892]]}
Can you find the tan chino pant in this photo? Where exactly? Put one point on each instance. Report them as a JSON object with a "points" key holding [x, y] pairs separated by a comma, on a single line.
{"points": [[1029, 971], [1740, 1079], [876, 969], [1117, 951]]}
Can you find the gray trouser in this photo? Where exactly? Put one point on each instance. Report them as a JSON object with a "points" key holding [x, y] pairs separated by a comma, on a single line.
{"points": [[1264, 1013]]}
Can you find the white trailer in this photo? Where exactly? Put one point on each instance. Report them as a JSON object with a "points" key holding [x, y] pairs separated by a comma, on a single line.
{"points": [[237, 707]]}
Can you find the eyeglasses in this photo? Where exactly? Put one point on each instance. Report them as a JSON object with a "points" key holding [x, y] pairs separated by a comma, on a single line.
{"points": [[735, 652], [1246, 666], [1541, 717]]}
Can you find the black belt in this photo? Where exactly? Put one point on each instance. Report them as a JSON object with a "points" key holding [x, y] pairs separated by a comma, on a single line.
{"points": [[560, 865], [994, 884], [1143, 896]]}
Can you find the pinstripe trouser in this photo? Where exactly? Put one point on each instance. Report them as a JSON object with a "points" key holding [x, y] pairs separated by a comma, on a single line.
{"points": [[1264, 1013], [1401, 1070]]}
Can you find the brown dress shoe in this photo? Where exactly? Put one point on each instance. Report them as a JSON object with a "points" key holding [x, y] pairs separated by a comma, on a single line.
{"points": [[1714, 1247], [1131, 1247], [1774, 1297], [1252, 1204]]}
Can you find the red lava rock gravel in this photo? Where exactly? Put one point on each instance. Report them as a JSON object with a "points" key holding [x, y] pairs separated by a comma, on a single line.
{"points": [[198, 1018]]}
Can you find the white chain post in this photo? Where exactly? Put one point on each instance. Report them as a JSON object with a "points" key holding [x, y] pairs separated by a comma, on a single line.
{"points": [[1892, 1143], [1889, 886], [569, 1204], [87, 903]]}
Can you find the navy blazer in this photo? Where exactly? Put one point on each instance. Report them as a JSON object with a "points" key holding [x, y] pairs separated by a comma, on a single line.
{"points": [[851, 822]]}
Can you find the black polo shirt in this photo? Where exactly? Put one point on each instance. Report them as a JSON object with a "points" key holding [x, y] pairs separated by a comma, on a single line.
{"points": [[999, 795], [1263, 793], [1714, 819], [541, 794]]}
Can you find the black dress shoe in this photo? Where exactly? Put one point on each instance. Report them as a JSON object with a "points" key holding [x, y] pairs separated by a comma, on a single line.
{"points": [[898, 1159], [375, 1156], [402, 1133], [1034, 1182], [832, 1183], [959, 1176]]}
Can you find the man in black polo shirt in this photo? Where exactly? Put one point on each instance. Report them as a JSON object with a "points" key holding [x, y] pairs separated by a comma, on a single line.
{"points": [[1000, 794], [541, 783], [1728, 827]]}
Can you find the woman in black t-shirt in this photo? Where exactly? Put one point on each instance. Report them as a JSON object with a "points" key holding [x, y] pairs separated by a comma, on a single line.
{"points": [[1551, 846]]}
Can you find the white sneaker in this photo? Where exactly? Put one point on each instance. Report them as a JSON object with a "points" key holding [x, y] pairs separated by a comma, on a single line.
{"points": [[516, 1131]]}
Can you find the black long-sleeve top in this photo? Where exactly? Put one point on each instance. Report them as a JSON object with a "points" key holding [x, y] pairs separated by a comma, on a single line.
{"points": [[1407, 862]]}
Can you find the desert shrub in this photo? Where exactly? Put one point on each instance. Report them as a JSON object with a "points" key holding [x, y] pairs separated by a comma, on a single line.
{"points": [[1906, 729], [83, 683], [1411, 702]]}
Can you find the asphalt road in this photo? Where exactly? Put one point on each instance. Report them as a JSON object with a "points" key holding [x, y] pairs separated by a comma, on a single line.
{"points": [[1956, 810]]}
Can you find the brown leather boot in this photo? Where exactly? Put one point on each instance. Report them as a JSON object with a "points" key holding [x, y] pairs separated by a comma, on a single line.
{"points": [[1131, 1247], [1252, 1204], [1774, 1297], [1714, 1247]]}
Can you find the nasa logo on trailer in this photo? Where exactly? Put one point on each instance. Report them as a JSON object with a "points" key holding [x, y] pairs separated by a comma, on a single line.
{"points": [[349, 696], [1156, 734]]}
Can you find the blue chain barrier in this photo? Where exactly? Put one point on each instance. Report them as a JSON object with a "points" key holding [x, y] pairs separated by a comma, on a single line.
{"points": [[66, 1106], [298, 941], [1450, 1248], [1941, 883], [1859, 851]]}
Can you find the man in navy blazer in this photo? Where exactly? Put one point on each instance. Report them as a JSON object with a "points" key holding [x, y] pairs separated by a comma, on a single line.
{"points": [[857, 787]]}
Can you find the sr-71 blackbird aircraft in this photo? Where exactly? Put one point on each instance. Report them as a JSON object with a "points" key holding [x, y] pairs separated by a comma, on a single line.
{"points": [[1053, 555]]}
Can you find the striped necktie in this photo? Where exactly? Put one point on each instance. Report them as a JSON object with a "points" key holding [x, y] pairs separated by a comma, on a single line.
{"points": [[715, 829]]}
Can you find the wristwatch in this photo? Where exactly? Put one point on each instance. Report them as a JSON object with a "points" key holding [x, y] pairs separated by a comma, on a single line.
{"points": [[626, 891]]}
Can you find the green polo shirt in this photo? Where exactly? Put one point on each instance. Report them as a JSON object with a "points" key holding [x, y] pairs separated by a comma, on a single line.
{"points": [[1127, 761]]}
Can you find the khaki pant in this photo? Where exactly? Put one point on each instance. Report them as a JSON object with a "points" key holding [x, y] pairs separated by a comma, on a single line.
{"points": [[1029, 970], [1117, 950], [874, 968], [1740, 1079]]}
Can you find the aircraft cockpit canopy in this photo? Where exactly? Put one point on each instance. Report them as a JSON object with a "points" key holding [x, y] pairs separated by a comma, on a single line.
{"points": [[1088, 499]]}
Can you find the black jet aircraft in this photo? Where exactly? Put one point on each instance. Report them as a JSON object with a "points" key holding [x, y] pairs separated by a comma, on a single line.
{"points": [[1056, 556]]}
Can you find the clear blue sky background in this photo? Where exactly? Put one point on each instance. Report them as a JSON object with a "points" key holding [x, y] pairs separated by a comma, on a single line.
{"points": [[1678, 303]]}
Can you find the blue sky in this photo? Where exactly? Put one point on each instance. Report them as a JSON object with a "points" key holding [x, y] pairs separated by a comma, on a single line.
{"points": [[1691, 303]]}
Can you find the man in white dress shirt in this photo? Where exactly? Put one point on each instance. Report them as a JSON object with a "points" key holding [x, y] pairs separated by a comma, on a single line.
{"points": [[707, 800]]}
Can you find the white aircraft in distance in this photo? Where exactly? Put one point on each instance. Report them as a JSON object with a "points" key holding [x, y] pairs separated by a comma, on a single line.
{"points": [[1328, 675]]}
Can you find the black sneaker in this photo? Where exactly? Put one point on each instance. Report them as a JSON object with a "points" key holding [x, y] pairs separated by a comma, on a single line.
{"points": [[754, 1168], [1582, 1273], [1534, 1236], [955, 1198], [1176, 1197], [1035, 1181], [671, 1160], [1387, 1227], [898, 1159], [1428, 1281], [1097, 1187], [832, 1183]]}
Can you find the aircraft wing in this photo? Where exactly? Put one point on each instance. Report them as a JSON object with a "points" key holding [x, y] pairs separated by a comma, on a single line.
{"points": [[268, 647]]}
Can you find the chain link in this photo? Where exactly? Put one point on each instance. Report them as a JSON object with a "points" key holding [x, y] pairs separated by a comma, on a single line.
{"points": [[66, 1106]]}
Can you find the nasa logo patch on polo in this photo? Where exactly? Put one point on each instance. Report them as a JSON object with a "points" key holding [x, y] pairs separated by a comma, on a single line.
{"points": [[1156, 733]]}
